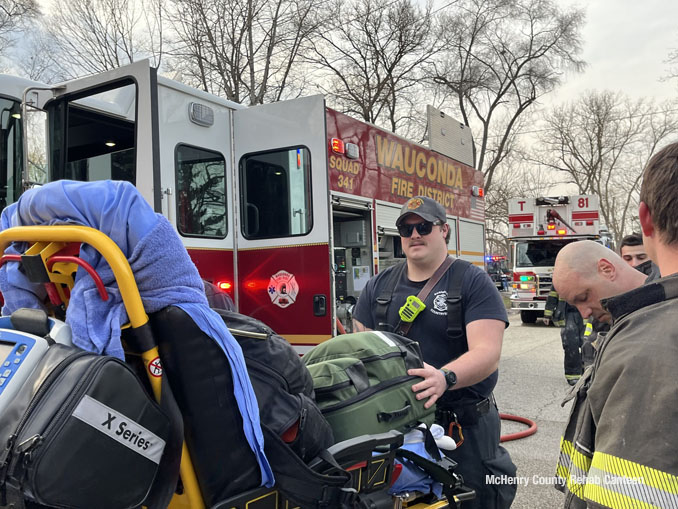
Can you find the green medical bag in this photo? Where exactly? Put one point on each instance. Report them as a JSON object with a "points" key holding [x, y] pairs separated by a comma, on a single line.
{"points": [[362, 386]]}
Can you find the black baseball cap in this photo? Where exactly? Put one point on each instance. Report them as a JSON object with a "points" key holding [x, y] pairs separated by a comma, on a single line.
{"points": [[426, 208]]}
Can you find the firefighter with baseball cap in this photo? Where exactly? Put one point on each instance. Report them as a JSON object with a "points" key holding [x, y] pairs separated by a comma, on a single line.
{"points": [[459, 322]]}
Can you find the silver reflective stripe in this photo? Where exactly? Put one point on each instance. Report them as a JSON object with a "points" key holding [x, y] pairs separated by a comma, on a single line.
{"points": [[569, 474], [634, 488], [120, 428], [586, 450], [384, 338]]}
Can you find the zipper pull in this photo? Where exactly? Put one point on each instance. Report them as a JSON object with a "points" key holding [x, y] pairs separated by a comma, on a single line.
{"points": [[28, 444], [6, 455], [302, 419]]}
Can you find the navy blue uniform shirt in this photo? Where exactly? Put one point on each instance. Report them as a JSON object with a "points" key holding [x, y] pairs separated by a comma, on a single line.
{"points": [[480, 300]]}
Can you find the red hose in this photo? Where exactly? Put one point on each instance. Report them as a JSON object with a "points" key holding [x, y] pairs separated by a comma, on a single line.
{"points": [[340, 327], [520, 434]]}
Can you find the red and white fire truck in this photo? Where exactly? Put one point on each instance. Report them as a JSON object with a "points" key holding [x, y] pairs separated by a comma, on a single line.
{"points": [[289, 206], [539, 228]]}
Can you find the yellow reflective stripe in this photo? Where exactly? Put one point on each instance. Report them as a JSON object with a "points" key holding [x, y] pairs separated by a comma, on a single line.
{"points": [[572, 468], [581, 461], [553, 294], [589, 329], [548, 312], [616, 482], [625, 468]]}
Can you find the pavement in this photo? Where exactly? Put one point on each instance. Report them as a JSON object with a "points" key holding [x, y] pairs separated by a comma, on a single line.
{"points": [[532, 384]]}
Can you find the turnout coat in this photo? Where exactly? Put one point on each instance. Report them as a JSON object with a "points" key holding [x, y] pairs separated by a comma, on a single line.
{"points": [[620, 446]]}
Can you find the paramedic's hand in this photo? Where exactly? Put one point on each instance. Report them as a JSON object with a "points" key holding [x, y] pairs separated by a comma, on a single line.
{"points": [[433, 385]]}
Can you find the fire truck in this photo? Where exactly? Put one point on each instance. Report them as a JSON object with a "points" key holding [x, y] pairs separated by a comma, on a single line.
{"points": [[290, 207], [539, 228]]}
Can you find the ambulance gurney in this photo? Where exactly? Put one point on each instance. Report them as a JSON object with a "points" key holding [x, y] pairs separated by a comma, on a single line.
{"points": [[231, 455]]}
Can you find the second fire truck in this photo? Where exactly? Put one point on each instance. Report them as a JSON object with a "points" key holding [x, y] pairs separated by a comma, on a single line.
{"points": [[538, 229]]}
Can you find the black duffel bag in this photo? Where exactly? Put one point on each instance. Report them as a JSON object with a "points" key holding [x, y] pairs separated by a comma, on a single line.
{"points": [[82, 432]]}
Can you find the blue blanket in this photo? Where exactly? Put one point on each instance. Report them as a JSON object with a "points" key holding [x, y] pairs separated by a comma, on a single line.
{"points": [[164, 273]]}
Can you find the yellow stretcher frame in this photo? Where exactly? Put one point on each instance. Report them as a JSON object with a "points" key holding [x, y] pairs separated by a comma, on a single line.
{"points": [[192, 497]]}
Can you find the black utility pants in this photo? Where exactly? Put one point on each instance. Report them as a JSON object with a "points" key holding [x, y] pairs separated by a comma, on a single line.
{"points": [[572, 337], [485, 465]]}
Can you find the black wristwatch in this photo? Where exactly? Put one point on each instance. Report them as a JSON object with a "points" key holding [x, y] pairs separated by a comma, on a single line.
{"points": [[450, 377]]}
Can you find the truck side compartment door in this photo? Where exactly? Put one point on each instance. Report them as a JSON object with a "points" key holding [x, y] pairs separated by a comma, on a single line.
{"points": [[472, 242]]}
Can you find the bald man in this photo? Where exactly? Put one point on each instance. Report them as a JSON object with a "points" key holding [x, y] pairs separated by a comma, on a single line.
{"points": [[586, 272]]}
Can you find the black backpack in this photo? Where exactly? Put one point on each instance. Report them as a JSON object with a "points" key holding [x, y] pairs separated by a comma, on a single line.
{"points": [[283, 386]]}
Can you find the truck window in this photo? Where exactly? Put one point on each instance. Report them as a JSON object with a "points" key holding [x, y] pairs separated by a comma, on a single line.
{"points": [[93, 136], [275, 193], [538, 254], [201, 192], [10, 151]]}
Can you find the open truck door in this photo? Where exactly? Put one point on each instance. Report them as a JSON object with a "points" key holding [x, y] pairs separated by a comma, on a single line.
{"points": [[283, 236], [172, 141], [105, 127]]}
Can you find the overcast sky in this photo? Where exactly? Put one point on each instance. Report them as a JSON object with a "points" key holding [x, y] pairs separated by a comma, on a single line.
{"points": [[626, 44]]}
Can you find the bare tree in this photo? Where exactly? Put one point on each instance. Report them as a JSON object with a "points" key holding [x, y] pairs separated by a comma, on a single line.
{"points": [[368, 63], [13, 17], [672, 61], [247, 51], [502, 56], [34, 58], [516, 178], [93, 36], [602, 142]]}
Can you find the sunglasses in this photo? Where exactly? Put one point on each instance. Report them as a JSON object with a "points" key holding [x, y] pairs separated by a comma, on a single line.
{"points": [[405, 230]]}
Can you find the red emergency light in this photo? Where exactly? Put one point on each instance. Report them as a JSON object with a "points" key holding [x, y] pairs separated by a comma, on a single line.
{"points": [[477, 191], [255, 284], [589, 223], [541, 232], [337, 146], [550, 226], [224, 285]]}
